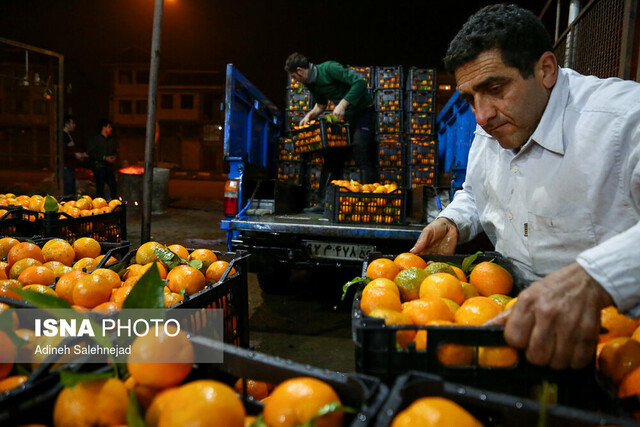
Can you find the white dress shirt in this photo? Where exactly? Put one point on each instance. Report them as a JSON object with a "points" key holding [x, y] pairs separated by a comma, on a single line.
{"points": [[571, 193]]}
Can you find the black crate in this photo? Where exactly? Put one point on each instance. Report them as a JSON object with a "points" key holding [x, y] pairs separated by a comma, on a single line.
{"points": [[286, 151], [290, 172], [312, 199], [392, 176], [351, 173], [319, 134], [292, 119], [421, 79], [426, 175], [299, 99], [388, 99], [388, 122], [390, 151], [365, 72], [293, 84], [490, 408], [422, 151], [420, 101], [344, 206], [314, 172], [13, 224], [419, 123], [389, 77]]}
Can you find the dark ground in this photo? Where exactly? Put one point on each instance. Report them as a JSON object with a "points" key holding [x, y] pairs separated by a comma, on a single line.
{"points": [[303, 326]]}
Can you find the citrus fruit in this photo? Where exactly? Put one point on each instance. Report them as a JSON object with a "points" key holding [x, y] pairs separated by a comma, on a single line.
{"points": [[382, 267], [86, 247], [497, 357], [383, 283], [460, 274], [476, 311], [256, 389], [58, 250], [37, 275], [216, 270], [407, 259], [490, 278], [12, 382], [409, 281], [439, 267], [630, 384], [503, 300], [92, 403], [456, 354], [392, 317], [21, 265], [24, 250], [470, 291], [91, 290], [145, 253], [424, 310], [442, 285], [434, 411], [187, 278], [617, 325], [453, 306], [618, 357], [179, 250], [379, 297], [6, 243], [7, 286], [109, 275], [205, 255], [7, 354], [41, 289]]}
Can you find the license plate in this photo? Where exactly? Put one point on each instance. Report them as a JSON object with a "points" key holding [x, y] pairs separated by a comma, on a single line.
{"points": [[334, 250]]}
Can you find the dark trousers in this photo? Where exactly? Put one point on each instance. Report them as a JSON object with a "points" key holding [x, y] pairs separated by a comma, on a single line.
{"points": [[69, 181], [105, 175]]}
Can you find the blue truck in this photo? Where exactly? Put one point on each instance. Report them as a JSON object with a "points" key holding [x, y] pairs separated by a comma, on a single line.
{"points": [[263, 216]]}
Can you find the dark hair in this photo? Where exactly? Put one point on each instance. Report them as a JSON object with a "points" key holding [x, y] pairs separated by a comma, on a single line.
{"points": [[518, 33], [294, 61], [66, 119], [104, 122]]}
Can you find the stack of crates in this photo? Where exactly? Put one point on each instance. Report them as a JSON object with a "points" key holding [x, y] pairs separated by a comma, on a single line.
{"points": [[314, 171], [351, 171], [290, 164], [388, 101], [419, 128], [299, 102]]}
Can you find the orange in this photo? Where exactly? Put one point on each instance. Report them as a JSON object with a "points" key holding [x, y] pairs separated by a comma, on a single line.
{"points": [[86, 263], [106, 307], [420, 339], [497, 357], [86, 247], [118, 295], [630, 384], [434, 411], [162, 269], [7, 354], [205, 255], [407, 259], [392, 317], [382, 267], [21, 265], [6, 287], [12, 382], [3, 272], [476, 311], [145, 253], [24, 250], [617, 324], [163, 400], [456, 354], [424, 310], [187, 278], [58, 250], [383, 283], [502, 300], [618, 357], [52, 265], [179, 250], [202, 403], [133, 270], [157, 344], [378, 297], [6, 243], [460, 274], [442, 285], [453, 306], [510, 303], [172, 298], [409, 281], [295, 401], [113, 203], [66, 283], [470, 291], [41, 289], [99, 258], [97, 402], [256, 389], [109, 275], [37, 275], [98, 203], [217, 268], [91, 290], [490, 278], [14, 315]]}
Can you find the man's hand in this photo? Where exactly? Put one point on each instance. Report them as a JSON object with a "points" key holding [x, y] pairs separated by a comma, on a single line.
{"points": [[439, 237], [557, 319], [306, 119], [340, 109], [110, 159]]}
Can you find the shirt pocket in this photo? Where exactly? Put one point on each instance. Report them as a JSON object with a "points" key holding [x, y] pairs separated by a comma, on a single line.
{"points": [[556, 241]]}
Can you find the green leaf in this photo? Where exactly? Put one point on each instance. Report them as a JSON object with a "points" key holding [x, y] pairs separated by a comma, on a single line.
{"points": [[169, 258], [329, 408], [468, 261], [134, 418], [259, 422], [21, 370], [50, 204], [148, 291], [70, 379], [354, 281], [42, 300], [195, 263]]}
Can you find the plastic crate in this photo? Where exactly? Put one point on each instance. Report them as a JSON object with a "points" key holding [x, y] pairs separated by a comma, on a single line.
{"points": [[365, 72], [365, 394], [388, 122], [286, 151], [314, 172], [292, 119], [490, 408], [423, 175], [391, 176], [422, 151], [321, 134], [390, 151], [420, 101], [419, 123], [290, 172], [299, 99], [13, 224], [389, 77], [377, 354], [351, 173], [313, 197], [293, 84], [421, 79], [344, 206], [388, 99]]}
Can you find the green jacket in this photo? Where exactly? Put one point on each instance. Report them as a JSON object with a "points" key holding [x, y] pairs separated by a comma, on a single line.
{"points": [[335, 82], [98, 147]]}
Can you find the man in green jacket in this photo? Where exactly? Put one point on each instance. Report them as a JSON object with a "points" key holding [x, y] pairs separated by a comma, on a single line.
{"points": [[330, 81], [102, 156]]}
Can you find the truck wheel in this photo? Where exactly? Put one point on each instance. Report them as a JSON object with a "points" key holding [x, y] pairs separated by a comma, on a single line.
{"points": [[275, 282]]}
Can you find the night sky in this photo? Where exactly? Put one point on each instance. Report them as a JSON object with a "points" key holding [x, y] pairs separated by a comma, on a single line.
{"points": [[256, 36]]}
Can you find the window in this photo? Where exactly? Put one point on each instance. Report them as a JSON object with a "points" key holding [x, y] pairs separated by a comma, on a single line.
{"points": [[166, 102], [124, 107], [124, 77], [141, 107], [186, 102], [142, 77]]}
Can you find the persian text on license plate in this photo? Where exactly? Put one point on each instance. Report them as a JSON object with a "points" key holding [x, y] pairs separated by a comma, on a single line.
{"points": [[338, 250]]}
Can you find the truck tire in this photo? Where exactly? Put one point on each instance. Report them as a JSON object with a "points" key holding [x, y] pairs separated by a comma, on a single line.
{"points": [[275, 281]]}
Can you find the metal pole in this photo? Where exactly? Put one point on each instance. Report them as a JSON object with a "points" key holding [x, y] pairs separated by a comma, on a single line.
{"points": [[151, 122]]}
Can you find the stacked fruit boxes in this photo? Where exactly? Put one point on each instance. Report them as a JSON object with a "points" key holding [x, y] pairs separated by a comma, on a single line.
{"points": [[314, 171], [366, 72], [419, 127], [298, 100], [290, 165], [389, 114]]}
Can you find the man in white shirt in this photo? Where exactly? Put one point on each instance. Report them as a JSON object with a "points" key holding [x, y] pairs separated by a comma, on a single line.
{"points": [[553, 179]]}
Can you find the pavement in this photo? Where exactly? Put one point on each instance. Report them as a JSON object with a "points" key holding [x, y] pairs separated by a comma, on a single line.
{"points": [[304, 326]]}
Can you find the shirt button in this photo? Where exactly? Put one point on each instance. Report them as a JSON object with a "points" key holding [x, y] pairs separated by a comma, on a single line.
{"points": [[514, 169], [509, 216]]}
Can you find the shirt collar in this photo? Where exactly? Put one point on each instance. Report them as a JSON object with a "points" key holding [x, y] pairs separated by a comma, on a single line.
{"points": [[313, 74]]}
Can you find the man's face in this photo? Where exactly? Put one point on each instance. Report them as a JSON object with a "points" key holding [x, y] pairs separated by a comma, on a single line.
{"points": [[300, 75], [71, 126], [106, 130], [506, 106]]}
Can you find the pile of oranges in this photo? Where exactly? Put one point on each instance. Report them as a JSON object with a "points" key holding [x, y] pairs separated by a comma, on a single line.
{"points": [[408, 291], [356, 187], [83, 206], [369, 204]]}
